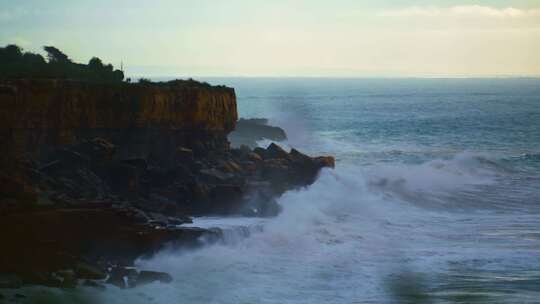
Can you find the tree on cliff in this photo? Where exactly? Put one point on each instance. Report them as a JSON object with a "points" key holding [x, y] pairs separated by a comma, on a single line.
{"points": [[16, 64], [54, 55]]}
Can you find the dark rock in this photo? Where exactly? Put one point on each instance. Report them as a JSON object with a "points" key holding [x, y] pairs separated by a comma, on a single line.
{"points": [[139, 163], [260, 151], [122, 178], [184, 154], [177, 221], [254, 157], [244, 149], [230, 167], [18, 188], [214, 175], [86, 271], [98, 149], [325, 161], [10, 281], [274, 151], [297, 156], [249, 131], [68, 279], [147, 277], [122, 277]]}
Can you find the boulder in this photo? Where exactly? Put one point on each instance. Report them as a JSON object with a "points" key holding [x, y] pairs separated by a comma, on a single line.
{"points": [[274, 151]]}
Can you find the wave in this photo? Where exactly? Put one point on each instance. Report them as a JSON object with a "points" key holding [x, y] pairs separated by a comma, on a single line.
{"points": [[352, 230]]}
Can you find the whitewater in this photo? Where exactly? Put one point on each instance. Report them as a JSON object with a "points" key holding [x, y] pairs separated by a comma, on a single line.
{"points": [[435, 198]]}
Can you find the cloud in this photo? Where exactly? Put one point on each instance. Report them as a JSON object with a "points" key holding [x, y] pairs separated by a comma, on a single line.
{"points": [[461, 10]]}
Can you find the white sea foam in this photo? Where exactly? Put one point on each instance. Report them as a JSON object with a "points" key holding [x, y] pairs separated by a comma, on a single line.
{"points": [[337, 240]]}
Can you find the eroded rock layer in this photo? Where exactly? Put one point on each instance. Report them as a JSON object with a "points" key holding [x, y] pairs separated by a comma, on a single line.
{"points": [[39, 116]]}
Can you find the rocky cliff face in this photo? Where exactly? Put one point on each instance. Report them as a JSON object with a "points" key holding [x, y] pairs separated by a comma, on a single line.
{"points": [[39, 116], [104, 173]]}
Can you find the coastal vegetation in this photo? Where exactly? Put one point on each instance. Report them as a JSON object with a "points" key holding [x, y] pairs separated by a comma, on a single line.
{"points": [[17, 64]]}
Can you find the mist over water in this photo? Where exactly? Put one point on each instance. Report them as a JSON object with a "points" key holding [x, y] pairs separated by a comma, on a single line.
{"points": [[435, 199]]}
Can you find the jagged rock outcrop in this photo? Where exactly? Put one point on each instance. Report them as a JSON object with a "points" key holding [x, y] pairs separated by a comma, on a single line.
{"points": [[249, 131]]}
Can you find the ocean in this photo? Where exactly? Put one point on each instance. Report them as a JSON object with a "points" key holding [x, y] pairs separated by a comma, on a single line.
{"points": [[435, 198]]}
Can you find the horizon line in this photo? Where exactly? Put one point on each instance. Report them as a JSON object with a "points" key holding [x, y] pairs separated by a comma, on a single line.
{"points": [[136, 77]]}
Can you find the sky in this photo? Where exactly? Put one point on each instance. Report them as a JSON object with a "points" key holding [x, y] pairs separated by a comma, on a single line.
{"points": [[286, 38]]}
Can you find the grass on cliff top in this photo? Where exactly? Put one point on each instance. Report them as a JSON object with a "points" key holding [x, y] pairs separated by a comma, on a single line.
{"points": [[179, 83]]}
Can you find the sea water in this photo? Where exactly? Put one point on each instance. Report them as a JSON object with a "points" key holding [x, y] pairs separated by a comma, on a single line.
{"points": [[435, 198]]}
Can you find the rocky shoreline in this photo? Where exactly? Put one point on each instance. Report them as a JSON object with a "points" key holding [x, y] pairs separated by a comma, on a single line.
{"points": [[97, 175]]}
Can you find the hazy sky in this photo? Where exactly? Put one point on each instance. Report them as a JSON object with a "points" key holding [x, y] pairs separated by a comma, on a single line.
{"points": [[286, 37]]}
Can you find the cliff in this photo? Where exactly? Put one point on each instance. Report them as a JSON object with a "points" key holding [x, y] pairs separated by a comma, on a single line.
{"points": [[39, 116], [101, 174]]}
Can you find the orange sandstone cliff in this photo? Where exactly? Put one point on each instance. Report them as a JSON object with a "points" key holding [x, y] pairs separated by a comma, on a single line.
{"points": [[39, 116]]}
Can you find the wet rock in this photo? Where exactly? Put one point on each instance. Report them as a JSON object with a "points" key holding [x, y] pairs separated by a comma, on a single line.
{"points": [[68, 278], [122, 277], [179, 221], [230, 167], [139, 163], [260, 151], [147, 277], [254, 157], [244, 149], [325, 161], [10, 281], [274, 151], [214, 175], [93, 284], [98, 149], [86, 271], [298, 156], [249, 131]]}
